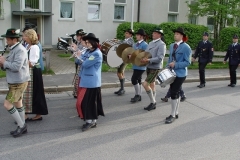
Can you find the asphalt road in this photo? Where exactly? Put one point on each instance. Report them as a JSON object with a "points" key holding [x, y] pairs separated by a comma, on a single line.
{"points": [[208, 128]]}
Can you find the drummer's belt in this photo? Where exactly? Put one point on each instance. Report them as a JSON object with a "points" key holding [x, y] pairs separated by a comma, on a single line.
{"points": [[151, 75], [121, 68]]}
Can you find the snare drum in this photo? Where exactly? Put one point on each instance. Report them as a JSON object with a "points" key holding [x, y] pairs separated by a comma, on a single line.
{"points": [[165, 77], [108, 49]]}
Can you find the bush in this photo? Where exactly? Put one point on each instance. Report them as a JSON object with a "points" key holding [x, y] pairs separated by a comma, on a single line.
{"points": [[126, 25], [226, 35], [194, 32]]}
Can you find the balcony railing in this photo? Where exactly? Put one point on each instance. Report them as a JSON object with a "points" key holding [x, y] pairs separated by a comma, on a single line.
{"points": [[32, 4]]}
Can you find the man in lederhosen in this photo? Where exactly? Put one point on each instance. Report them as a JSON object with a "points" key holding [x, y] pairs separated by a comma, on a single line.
{"points": [[138, 70], [157, 49], [204, 52], [233, 53], [17, 75], [120, 71]]}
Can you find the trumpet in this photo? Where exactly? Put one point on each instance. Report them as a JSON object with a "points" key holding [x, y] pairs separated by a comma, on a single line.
{"points": [[75, 53]]}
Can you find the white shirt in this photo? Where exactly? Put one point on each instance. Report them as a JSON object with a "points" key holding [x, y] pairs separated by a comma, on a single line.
{"points": [[140, 41], [156, 40], [234, 44], [34, 54], [178, 43]]}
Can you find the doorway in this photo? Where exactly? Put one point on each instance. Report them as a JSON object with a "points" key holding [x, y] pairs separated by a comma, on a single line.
{"points": [[34, 23]]}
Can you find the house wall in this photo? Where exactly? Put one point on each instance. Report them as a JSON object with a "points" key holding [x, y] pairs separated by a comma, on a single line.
{"points": [[103, 29]]}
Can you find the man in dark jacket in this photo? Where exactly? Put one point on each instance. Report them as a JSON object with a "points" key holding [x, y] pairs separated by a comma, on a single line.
{"points": [[233, 53], [204, 52]]}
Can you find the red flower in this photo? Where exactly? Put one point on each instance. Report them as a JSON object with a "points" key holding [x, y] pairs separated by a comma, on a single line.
{"points": [[185, 39], [13, 31]]}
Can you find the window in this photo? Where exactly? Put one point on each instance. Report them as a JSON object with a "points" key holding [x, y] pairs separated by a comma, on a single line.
{"points": [[172, 18], [32, 4], [119, 9], [173, 6], [66, 10], [210, 23], [94, 8], [192, 19]]}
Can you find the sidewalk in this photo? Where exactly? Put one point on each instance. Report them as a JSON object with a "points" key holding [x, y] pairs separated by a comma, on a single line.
{"points": [[64, 72], [63, 82]]}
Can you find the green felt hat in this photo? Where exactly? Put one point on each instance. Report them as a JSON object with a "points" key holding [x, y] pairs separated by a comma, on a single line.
{"points": [[12, 33]]}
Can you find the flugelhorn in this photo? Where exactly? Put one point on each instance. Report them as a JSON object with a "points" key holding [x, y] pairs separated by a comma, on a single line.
{"points": [[75, 53]]}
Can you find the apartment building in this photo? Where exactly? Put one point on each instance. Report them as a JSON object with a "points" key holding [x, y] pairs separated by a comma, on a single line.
{"points": [[55, 18]]}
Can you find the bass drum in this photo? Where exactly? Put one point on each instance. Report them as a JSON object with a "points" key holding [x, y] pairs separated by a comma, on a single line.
{"points": [[110, 56]]}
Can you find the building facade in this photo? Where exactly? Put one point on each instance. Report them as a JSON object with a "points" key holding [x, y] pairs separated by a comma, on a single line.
{"points": [[56, 18]]}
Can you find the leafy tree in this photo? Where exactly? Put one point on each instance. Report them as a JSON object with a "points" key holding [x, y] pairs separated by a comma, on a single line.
{"points": [[223, 12]]}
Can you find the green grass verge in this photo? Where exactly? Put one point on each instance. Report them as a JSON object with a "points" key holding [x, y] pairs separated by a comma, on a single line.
{"points": [[63, 55], [106, 68], [2, 73], [45, 72], [214, 65]]}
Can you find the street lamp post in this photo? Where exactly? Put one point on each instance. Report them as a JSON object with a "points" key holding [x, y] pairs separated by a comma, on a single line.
{"points": [[132, 14]]}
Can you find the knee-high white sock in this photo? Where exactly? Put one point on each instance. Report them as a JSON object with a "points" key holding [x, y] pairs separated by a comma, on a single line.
{"points": [[150, 94], [174, 106], [21, 112], [13, 111], [89, 121], [140, 90], [136, 87], [154, 94], [178, 103]]}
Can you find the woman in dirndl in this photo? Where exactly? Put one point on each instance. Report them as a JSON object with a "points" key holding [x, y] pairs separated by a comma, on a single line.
{"points": [[79, 47], [34, 98], [89, 100]]}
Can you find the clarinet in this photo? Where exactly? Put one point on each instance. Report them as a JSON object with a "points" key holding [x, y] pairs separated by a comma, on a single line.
{"points": [[4, 50]]}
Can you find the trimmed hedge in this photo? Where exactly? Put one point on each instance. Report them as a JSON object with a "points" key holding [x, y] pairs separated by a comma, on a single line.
{"points": [[194, 32], [126, 25], [226, 35]]}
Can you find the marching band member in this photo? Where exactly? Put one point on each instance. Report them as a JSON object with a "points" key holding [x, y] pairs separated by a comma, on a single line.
{"points": [[138, 71], [34, 99], [39, 45], [233, 53], [179, 60], [157, 48], [168, 95], [77, 47], [120, 71], [89, 100], [17, 74], [204, 52]]}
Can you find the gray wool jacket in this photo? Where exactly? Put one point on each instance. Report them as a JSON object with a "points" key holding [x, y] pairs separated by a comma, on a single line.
{"points": [[129, 41], [16, 65], [158, 51]]}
